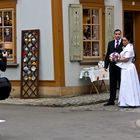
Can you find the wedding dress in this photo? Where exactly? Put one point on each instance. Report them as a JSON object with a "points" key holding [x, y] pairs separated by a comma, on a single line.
{"points": [[129, 94]]}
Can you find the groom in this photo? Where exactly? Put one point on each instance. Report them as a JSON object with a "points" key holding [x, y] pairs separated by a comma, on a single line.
{"points": [[114, 71]]}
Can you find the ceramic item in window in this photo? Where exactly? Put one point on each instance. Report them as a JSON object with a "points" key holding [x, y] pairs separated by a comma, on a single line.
{"points": [[26, 49], [33, 48], [33, 68], [96, 53], [25, 78], [30, 45], [33, 77], [29, 72], [26, 69], [25, 59], [26, 39], [29, 63], [29, 54], [33, 59], [29, 40], [34, 63], [33, 40], [29, 78], [29, 35]]}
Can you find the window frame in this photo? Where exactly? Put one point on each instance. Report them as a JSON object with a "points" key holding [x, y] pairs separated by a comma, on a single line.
{"points": [[91, 41], [8, 5], [97, 4]]}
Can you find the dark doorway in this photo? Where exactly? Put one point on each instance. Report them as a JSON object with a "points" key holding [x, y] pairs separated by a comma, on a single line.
{"points": [[132, 28], [128, 24]]}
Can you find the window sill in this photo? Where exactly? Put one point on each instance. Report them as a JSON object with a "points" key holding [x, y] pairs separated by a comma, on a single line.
{"points": [[89, 62], [12, 65]]}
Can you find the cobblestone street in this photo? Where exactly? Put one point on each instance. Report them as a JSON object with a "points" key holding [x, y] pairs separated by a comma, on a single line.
{"points": [[60, 101], [79, 103]]}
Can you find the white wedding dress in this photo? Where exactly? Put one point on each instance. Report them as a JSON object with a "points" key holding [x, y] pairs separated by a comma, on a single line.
{"points": [[129, 94]]}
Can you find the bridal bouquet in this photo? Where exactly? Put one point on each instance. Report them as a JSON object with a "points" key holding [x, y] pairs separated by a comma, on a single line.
{"points": [[114, 57]]}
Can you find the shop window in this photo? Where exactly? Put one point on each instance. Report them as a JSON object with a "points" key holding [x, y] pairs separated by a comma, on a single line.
{"points": [[7, 33], [8, 29], [86, 31], [91, 33]]}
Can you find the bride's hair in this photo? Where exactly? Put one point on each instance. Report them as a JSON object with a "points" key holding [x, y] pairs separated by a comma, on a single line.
{"points": [[127, 37]]}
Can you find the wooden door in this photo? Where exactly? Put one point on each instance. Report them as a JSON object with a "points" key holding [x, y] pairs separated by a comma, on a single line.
{"points": [[137, 39]]}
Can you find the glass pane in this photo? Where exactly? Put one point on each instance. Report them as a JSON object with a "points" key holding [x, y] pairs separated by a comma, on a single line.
{"points": [[86, 32], [87, 51], [1, 35], [95, 32], [86, 16], [8, 18], [1, 46], [9, 53], [95, 49], [8, 34], [0, 18], [95, 16]]}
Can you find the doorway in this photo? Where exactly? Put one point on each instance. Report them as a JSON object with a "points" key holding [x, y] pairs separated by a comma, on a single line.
{"points": [[129, 25], [132, 28]]}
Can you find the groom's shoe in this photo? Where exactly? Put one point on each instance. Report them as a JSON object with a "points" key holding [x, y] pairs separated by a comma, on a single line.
{"points": [[109, 103]]}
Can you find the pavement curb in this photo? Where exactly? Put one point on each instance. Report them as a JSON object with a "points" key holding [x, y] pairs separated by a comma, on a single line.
{"points": [[54, 103]]}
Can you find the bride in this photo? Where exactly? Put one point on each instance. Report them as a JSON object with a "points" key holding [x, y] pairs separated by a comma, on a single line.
{"points": [[129, 94]]}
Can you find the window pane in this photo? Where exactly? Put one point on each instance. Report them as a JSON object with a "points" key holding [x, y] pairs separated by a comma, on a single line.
{"points": [[8, 34], [87, 49], [8, 18], [95, 16], [86, 32], [1, 46], [0, 18], [86, 16], [9, 53], [95, 49], [95, 32], [1, 35]]}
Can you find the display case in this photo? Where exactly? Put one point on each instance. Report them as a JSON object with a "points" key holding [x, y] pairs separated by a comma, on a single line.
{"points": [[30, 63]]}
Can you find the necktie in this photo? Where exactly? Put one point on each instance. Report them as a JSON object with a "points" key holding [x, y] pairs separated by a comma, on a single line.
{"points": [[117, 44]]}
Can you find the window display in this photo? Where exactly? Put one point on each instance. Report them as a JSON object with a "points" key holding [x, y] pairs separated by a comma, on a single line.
{"points": [[91, 32], [7, 32]]}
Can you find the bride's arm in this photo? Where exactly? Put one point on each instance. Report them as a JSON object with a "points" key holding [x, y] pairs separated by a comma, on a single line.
{"points": [[123, 59]]}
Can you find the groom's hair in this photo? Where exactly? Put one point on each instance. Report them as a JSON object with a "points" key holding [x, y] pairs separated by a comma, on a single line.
{"points": [[117, 30]]}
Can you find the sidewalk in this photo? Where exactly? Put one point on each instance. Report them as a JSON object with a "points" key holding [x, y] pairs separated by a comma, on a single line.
{"points": [[60, 101]]}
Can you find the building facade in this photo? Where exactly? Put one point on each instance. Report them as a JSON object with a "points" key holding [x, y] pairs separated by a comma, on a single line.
{"points": [[73, 35]]}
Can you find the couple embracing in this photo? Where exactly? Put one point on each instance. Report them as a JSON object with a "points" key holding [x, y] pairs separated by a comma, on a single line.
{"points": [[122, 73]]}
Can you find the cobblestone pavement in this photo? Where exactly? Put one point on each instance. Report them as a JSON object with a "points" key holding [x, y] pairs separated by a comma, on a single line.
{"points": [[78, 103], [60, 101]]}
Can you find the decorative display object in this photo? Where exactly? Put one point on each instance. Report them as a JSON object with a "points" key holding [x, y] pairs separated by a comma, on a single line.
{"points": [[30, 63]]}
